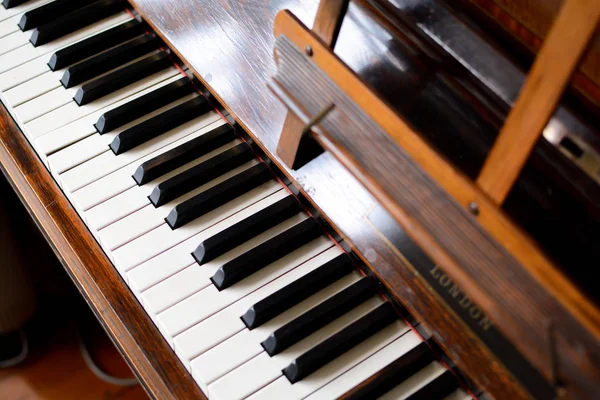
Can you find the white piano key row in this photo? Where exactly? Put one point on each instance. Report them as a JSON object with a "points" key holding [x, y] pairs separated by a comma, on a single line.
{"points": [[201, 323]]}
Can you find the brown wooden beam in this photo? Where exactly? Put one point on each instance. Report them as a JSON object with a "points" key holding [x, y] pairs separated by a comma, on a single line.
{"points": [[326, 27], [551, 72]]}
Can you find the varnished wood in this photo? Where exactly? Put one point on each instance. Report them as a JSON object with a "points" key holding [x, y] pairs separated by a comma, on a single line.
{"points": [[289, 141], [115, 306], [490, 217], [329, 20], [539, 96], [529, 22], [237, 78], [337, 195], [326, 27]]}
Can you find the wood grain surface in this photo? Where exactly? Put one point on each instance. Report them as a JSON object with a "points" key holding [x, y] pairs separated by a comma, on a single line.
{"points": [[521, 299], [529, 21], [229, 45], [332, 189], [550, 75]]}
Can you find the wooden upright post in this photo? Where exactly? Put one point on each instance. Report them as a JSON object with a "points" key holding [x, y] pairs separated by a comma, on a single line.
{"points": [[326, 27], [551, 72]]}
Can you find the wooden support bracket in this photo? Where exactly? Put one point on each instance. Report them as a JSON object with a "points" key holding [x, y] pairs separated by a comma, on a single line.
{"points": [[326, 27], [498, 266], [551, 72]]}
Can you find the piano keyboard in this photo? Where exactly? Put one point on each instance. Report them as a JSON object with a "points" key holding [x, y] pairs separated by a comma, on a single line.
{"points": [[255, 300]]}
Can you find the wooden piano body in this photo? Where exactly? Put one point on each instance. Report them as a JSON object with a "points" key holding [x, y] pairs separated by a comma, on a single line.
{"points": [[516, 299]]}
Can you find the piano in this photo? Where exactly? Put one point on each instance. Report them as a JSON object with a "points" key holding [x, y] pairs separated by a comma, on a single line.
{"points": [[361, 199]]}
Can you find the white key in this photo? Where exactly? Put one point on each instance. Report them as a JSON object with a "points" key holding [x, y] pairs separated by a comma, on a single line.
{"points": [[72, 112], [214, 330], [137, 197], [15, 58], [210, 300], [415, 382], [107, 162], [281, 388], [57, 98], [119, 181], [245, 345], [24, 73], [196, 277], [26, 53], [164, 252], [13, 41], [175, 259], [262, 369], [66, 135], [369, 367], [50, 80], [44, 104], [31, 64], [20, 9], [94, 145], [9, 26], [150, 217], [32, 89]]}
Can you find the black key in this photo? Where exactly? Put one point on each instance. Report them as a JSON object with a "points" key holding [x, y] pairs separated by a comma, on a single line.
{"points": [[341, 342], [200, 174], [13, 3], [144, 105], [319, 316], [218, 195], [122, 77], [74, 21], [439, 388], [245, 230], [394, 374], [266, 253], [159, 124], [180, 155], [110, 59], [49, 12], [93, 45], [297, 291]]}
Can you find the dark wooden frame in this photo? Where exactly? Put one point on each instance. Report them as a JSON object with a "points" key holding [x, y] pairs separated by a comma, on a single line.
{"points": [[121, 314], [542, 287]]}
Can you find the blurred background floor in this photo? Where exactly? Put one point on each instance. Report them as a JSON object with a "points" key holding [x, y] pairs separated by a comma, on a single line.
{"points": [[55, 367]]}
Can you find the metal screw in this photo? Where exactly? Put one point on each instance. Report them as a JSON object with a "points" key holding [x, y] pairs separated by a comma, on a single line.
{"points": [[474, 208], [308, 50]]}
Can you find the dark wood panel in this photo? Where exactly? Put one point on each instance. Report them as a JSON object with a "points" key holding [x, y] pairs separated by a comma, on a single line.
{"points": [[529, 21], [115, 306], [229, 46], [522, 292]]}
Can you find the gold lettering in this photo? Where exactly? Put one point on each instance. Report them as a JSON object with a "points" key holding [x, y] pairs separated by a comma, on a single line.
{"points": [[465, 302], [445, 281], [475, 312], [485, 323], [454, 291]]}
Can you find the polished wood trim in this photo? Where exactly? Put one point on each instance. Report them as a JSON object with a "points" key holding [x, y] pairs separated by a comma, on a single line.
{"points": [[328, 22], [548, 280], [337, 196], [289, 141], [456, 184], [543, 88], [123, 318], [529, 22]]}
